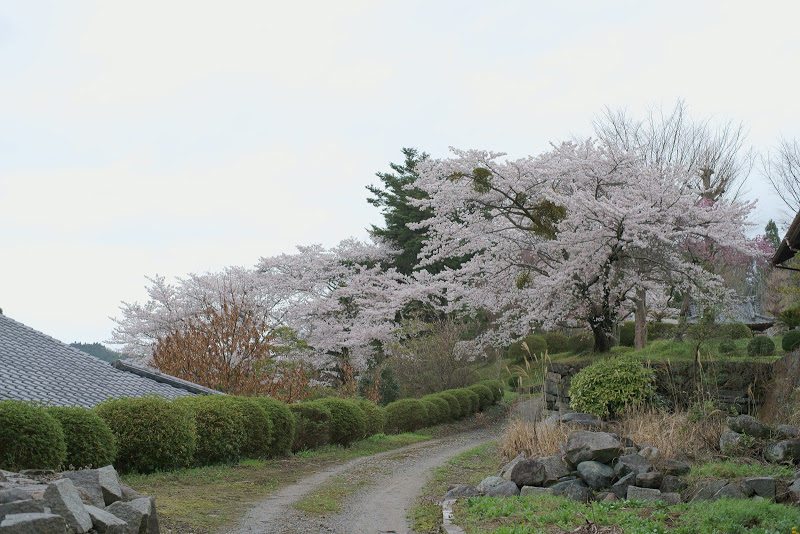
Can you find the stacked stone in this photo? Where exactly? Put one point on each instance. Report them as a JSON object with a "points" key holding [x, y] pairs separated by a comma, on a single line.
{"points": [[45, 502], [781, 443]]}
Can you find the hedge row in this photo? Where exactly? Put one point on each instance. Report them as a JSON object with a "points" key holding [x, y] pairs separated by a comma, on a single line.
{"points": [[408, 415]]}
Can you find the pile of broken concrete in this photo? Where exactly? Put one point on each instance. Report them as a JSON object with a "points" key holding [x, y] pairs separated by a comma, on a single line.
{"points": [[84, 501], [601, 466]]}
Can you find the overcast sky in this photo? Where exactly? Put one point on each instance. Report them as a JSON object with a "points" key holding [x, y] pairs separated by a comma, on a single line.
{"points": [[165, 137]]}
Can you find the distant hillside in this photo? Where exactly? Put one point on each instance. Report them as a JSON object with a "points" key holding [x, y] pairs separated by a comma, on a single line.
{"points": [[99, 351]]}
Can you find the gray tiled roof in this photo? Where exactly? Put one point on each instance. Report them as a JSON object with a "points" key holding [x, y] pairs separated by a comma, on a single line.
{"points": [[37, 367]]}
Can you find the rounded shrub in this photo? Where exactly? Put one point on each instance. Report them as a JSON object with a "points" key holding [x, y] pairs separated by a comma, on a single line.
{"points": [[442, 407], [257, 426], [530, 347], [152, 433], [89, 440], [30, 438], [405, 415], [485, 397], [464, 401], [582, 342], [735, 331], [627, 334], [374, 418], [434, 413], [221, 433], [452, 402], [514, 381], [791, 340], [312, 425], [727, 346], [347, 420], [760, 346], [556, 342], [282, 425], [659, 330], [496, 387], [475, 401], [607, 386]]}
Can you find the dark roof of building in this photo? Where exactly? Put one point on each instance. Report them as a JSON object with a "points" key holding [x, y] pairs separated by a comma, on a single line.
{"points": [[790, 244], [37, 367]]}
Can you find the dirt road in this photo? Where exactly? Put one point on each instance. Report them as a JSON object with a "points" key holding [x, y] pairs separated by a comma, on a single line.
{"points": [[389, 483]]}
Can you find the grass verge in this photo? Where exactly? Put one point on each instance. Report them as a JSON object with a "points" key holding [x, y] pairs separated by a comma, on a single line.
{"points": [[469, 467]]}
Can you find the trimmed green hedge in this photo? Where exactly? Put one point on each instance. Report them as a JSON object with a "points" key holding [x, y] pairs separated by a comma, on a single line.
{"points": [[760, 346], [452, 402], [89, 440], [485, 396], [221, 432], [405, 415], [374, 418], [257, 427], [464, 401], [30, 437], [282, 425], [442, 407], [791, 340], [312, 425], [556, 342], [607, 386], [152, 433], [536, 347], [735, 331], [347, 420], [496, 387], [581, 342]]}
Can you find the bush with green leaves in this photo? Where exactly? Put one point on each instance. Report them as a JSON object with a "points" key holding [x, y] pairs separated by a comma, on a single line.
{"points": [[791, 340], [152, 433], [221, 432], [452, 402], [258, 428], [434, 412], [312, 425], [485, 396], [374, 418], [727, 346], [30, 437], [514, 381], [531, 347], [496, 387], [347, 420], [607, 386], [790, 317], [659, 330], [582, 342], [282, 425], [442, 407], [388, 387], [760, 346], [735, 331], [464, 401], [627, 334], [89, 440], [405, 415], [475, 400], [556, 342]]}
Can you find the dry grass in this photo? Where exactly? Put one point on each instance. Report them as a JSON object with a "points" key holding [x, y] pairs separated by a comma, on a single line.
{"points": [[680, 434]]}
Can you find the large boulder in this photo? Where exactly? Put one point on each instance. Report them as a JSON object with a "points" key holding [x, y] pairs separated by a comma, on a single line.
{"points": [[506, 489], [505, 471], [33, 524], [675, 467], [105, 522], [573, 489], [489, 483], [554, 469], [528, 472], [583, 446], [26, 506], [620, 487], [762, 486], [88, 481], [729, 440], [782, 451], [707, 491], [651, 480], [63, 499], [595, 474], [747, 424], [456, 491], [632, 463]]}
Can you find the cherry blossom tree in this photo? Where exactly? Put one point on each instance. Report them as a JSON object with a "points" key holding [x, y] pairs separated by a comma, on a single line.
{"points": [[567, 237]]}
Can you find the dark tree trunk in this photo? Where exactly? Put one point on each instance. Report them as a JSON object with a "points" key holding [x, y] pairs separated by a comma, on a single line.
{"points": [[640, 337]]}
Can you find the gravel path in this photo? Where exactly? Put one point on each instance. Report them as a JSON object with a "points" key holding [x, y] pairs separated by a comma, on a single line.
{"points": [[393, 478]]}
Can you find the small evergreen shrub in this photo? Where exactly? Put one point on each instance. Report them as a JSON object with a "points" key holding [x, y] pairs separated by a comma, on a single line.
{"points": [[152, 433], [405, 415], [496, 387], [89, 440], [452, 402], [581, 343], [790, 317], [791, 340], [30, 437], [531, 347], [475, 401], [735, 331], [659, 330], [464, 401], [514, 381], [607, 386], [388, 387], [556, 342], [312, 425], [442, 407], [727, 346], [627, 334], [282, 425], [257, 426], [221, 433], [760, 346], [485, 397], [347, 420], [374, 418], [434, 414]]}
